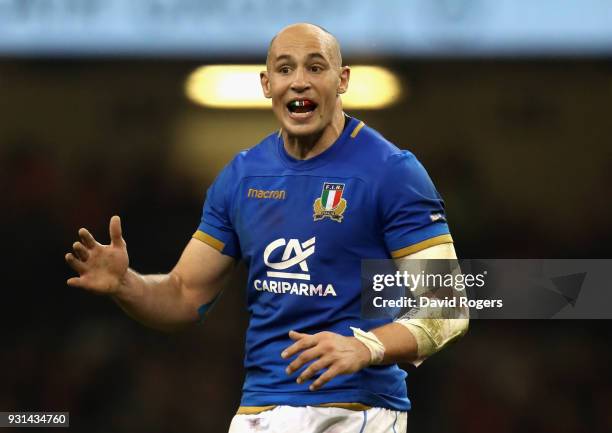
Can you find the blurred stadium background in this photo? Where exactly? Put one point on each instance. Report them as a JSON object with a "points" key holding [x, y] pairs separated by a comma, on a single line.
{"points": [[507, 104]]}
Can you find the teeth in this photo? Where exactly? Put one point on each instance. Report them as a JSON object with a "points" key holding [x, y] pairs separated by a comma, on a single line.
{"points": [[296, 104]]}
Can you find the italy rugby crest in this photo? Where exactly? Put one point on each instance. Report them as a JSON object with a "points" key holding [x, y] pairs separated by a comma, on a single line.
{"points": [[330, 204]]}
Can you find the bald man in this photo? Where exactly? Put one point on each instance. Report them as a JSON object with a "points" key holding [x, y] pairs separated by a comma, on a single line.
{"points": [[302, 208]]}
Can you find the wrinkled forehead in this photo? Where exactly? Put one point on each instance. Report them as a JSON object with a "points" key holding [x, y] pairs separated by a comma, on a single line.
{"points": [[299, 44]]}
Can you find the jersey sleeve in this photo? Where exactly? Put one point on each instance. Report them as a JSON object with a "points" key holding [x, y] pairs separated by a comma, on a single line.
{"points": [[412, 211], [216, 228]]}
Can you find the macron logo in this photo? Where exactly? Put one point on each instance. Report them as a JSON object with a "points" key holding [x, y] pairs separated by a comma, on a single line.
{"points": [[295, 253]]}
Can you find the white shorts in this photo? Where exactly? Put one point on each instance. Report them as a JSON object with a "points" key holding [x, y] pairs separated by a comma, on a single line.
{"points": [[310, 419]]}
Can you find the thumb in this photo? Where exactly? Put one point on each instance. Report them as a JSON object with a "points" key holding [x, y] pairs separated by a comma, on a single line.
{"points": [[115, 231]]}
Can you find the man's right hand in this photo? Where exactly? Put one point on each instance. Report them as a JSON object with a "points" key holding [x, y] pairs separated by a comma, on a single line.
{"points": [[101, 268]]}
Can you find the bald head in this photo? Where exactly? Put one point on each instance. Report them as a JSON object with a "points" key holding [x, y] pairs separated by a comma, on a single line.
{"points": [[300, 31]]}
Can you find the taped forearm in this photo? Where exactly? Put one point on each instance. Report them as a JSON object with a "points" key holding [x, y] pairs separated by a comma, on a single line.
{"points": [[434, 327], [433, 334]]}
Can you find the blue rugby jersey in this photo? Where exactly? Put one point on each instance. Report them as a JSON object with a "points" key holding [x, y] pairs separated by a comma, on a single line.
{"points": [[303, 227]]}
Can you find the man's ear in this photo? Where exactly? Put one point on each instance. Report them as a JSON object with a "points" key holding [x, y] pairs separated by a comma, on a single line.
{"points": [[265, 84], [345, 75]]}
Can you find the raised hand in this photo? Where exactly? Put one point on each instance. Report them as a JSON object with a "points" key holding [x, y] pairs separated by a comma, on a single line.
{"points": [[336, 353], [101, 268]]}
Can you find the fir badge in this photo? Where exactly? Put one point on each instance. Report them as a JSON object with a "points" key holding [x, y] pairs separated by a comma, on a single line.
{"points": [[330, 204]]}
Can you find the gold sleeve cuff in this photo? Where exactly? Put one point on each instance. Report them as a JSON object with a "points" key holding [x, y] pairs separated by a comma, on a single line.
{"points": [[209, 240], [414, 248]]}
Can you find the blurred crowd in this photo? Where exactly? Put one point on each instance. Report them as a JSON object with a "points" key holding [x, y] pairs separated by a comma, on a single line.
{"points": [[67, 350]]}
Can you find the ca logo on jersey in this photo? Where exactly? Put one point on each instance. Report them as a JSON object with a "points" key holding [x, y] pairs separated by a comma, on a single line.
{"points": [[331, 204], [295, 254]]}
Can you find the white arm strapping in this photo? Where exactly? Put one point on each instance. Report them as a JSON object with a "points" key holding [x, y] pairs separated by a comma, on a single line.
{"points": [[431, 333]]}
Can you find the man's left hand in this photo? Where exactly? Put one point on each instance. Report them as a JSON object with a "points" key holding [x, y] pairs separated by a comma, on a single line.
{"points": [[339, 354]]}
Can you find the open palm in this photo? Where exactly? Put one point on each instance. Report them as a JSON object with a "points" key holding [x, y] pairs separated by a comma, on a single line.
{"points": [[101, 268]]}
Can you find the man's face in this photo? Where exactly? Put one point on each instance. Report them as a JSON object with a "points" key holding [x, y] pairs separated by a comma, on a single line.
{"points": [[303, 79]]}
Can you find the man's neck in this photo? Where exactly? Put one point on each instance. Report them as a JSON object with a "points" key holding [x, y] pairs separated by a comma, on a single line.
{"points": [[306, 147]]}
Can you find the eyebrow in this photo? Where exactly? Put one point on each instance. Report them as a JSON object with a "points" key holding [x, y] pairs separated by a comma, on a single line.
{"points": [[309, 56]]}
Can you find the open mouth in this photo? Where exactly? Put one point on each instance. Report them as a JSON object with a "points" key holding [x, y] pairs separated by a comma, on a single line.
{"points": [[301, 106]]}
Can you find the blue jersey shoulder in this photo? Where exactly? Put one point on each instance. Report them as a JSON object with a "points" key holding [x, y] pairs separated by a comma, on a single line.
{"points": [[255, 158], [375, 154]]}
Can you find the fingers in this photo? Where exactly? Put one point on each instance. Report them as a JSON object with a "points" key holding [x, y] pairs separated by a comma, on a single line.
{"points": [[330, 348], [304, 358], [332, 372], [295, 336], [86, 238], [314, 368], [75, 282], [115, 231], [75, 263], [80, 251], [304, 341]]}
